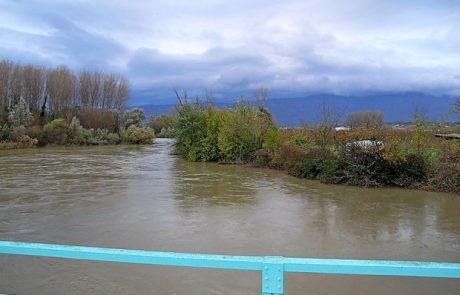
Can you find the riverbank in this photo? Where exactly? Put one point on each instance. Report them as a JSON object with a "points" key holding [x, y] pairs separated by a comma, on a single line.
{"points": [[369, 157]]}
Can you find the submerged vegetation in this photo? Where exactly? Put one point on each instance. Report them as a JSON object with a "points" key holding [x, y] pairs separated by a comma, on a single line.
{"points": [[370, 155], [40, 106]]}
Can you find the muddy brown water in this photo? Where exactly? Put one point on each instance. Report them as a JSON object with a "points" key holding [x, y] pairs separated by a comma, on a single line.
{"points": [[142, 197]]}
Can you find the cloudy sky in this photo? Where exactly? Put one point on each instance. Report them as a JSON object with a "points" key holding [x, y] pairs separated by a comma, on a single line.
{"points": [[293, 47]]}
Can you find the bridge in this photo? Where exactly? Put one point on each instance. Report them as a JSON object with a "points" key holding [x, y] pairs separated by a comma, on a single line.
{"points": [[272, 268]]}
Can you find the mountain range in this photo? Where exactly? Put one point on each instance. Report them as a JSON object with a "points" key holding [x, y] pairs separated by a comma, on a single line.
{"points": [[296, 111]]}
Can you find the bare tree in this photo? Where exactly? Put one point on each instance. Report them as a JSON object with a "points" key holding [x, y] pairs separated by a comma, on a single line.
{"points": [[420, 115], [34, 86], [61, 89], [324, 131], [16, 85], [122, 95], [5, 79], [457, 106], [109, 90], [368, 119], [260, 95], [181, 96]]}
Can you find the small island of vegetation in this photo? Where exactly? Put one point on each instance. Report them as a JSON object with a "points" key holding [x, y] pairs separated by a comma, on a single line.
{"points": [[367, 153], [40, 106]]}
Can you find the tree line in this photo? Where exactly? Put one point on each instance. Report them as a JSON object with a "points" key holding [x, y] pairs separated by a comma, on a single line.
{"points": [[40, 106], [50, 92]]}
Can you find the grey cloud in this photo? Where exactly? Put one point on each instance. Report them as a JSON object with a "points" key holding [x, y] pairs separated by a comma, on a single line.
{"points": [[293, 46]]}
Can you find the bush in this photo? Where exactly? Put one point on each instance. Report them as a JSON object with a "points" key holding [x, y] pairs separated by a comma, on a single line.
{"points": [[103, 136], [300, 140], [196, 129], [309, 168], [272, 140], [189, 129], [138, 135], [160, 124], [262, 158], [445, 175], [366, 167], [20, 115], [55, 132], [22, 142], [17, 132], [243, 133], [34, 131], [4, 132], [287, 156], [409, 171], [134, 117]]}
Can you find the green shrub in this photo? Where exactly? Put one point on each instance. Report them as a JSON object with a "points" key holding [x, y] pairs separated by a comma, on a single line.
{"points": [[138, 135], [103, 136], [309, 167], [134, 117], [243, 132], [189, 129], [20, 115], [4, 132], [196, 129], [300, 140], [272, 139], [55, 132], [409, 171]]}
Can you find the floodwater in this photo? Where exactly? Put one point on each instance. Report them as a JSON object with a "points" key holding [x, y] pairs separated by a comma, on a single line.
{"points": [[142, 197]]}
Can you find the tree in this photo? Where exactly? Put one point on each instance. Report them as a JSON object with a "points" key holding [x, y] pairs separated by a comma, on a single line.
{"points": [[260, 96], [159, 123], [368, 120], [324, 131], [5, 79], [20, 115], [135, 117]]}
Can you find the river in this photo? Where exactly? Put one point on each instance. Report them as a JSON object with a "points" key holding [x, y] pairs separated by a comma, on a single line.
{"points": [[142, 197]]}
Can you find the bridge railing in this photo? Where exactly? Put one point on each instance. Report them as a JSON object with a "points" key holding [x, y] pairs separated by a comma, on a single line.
{"points": [[271, 267]]}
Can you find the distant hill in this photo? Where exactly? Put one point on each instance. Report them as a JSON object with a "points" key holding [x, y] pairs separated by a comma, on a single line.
{"points": [[296, 111]]}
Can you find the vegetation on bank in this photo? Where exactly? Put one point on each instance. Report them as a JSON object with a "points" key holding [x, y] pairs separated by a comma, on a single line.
{"points": [[40, 106], [368, 155]]}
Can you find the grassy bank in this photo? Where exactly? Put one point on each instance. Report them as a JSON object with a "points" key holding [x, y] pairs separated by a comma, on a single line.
{"points": [[372, 157]]}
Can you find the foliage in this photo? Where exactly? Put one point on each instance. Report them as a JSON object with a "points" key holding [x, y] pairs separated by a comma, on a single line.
{"points": [[4, 132], [243, 132], [190, 130], [138, 135], [272, 139], [16, 132], [55, 132], [300, 139], [111, 120], [134, 117], [160, 124], [20, 115]]}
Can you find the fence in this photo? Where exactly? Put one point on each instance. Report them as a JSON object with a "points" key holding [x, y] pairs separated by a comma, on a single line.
{"points": [[271, 267]]}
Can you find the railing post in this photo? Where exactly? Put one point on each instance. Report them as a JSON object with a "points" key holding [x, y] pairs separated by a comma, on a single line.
{"points": [[272, 278]]}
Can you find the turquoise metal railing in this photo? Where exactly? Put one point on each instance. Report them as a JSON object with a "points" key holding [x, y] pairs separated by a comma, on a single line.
{"points": [[272, 267]]}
